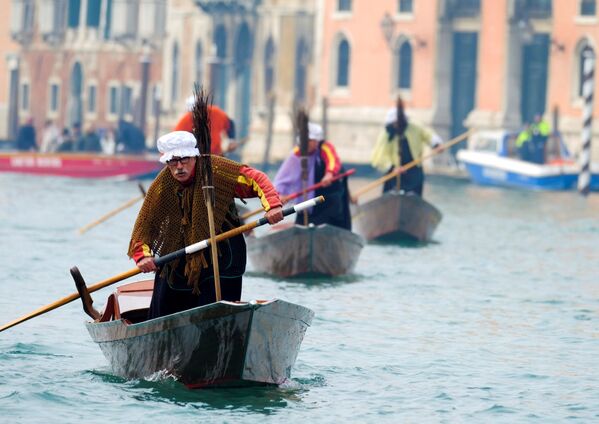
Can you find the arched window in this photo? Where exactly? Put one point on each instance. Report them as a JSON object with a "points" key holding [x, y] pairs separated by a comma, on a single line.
{"points": [[93, 13], [199, 63], [582, 47], [588, 7], [405, 6], [175, 73], [73, 13], [343, 63], [344, 5], [404, 66]]}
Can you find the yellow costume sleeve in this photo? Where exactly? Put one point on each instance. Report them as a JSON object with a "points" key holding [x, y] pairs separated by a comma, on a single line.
{"points": [[384, 154]]}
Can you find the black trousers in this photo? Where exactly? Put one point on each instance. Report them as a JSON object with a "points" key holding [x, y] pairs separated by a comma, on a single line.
{"points": [[174, 296], [411, 181]]}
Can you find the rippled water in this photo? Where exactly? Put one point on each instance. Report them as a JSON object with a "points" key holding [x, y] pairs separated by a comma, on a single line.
{"points": [[496, 321]]}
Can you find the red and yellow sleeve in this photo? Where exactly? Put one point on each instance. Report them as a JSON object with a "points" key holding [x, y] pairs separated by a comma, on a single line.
{"points": [[330, 158], [254, 183], [141, 250]]}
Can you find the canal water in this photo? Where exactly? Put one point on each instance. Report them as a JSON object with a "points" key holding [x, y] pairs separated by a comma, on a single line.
{"points": [[497, 320]]}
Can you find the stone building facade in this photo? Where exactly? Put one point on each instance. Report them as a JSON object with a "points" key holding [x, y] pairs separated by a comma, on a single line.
{"points": [[458, 64], [90, 62], [8, 62]]}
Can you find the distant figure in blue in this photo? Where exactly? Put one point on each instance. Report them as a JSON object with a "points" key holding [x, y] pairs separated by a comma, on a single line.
{"points": [[26, 137], [90, 142], [130, 138]]}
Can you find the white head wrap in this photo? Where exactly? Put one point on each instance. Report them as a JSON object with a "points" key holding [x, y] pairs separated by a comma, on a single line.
{"points": [[177, 143], [315, 132], [391, 116]]}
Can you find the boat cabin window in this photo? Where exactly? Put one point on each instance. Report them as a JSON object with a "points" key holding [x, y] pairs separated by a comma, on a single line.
{"points": [[486, 144]]}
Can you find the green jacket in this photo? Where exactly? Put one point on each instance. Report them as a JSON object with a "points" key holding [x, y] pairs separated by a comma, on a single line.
{"points": [[542, 128]]}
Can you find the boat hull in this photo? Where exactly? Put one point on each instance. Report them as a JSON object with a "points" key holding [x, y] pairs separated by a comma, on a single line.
{"points": [[394, 216], [80, 165], [322, 250], [223, 344], [489, 169]]}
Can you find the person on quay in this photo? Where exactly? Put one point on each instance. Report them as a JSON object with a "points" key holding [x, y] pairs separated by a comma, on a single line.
{"points": [[323, 166], [174, 215], [66, 142], [90, 142], [220, 123], [402, 141], [532, 140], [50, 137], [26, 138]]}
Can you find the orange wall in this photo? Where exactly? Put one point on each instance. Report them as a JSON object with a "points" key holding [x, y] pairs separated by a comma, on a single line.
{"points": [[569, 30], [371, 59], [6, 46], [492, 56]]}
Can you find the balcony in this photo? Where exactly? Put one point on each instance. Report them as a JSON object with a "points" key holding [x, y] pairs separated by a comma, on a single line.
{"points": [[462, 8], [228, 6], [21, 23], [52, 20], [533, 9], [152, 19]]}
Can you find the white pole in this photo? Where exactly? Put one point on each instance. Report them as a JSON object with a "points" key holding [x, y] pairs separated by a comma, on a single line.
{"points": [[588, 88]]}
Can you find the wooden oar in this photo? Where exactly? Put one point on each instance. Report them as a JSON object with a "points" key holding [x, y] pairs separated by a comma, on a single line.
{"points": [[115, 211], [163, 260], [295, 195], [407, 166]]}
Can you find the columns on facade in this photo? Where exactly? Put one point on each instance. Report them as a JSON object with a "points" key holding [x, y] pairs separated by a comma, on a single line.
{"points": [[13, 107], [513, 81], [145, 61], [443, 80]]}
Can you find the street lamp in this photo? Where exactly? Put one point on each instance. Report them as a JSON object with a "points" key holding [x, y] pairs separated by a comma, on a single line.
{"points": [[387, 27]]}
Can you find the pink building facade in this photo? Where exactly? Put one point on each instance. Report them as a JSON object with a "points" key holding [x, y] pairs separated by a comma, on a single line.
{"points": [[458, 64], [88, 62]]}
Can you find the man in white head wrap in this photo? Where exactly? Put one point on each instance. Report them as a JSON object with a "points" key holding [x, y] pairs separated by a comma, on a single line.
{"points": [[323, 166], [174, 216]]}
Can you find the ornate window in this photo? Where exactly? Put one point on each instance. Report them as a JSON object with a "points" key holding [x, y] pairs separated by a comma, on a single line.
{"points": [[539, 9], [93, 13], [54, 100], [588, 7], [343, 63], [403, 57], [21, 25], [463, 8], [175, 73], [91, 99], [113, 100], [73, 13], [405, 6], [25, 97], [344, 5]]}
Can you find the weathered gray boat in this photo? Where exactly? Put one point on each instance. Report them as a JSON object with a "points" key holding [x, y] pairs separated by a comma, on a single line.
{"points": [[393, 216], [226, 344], [299, 250]]}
